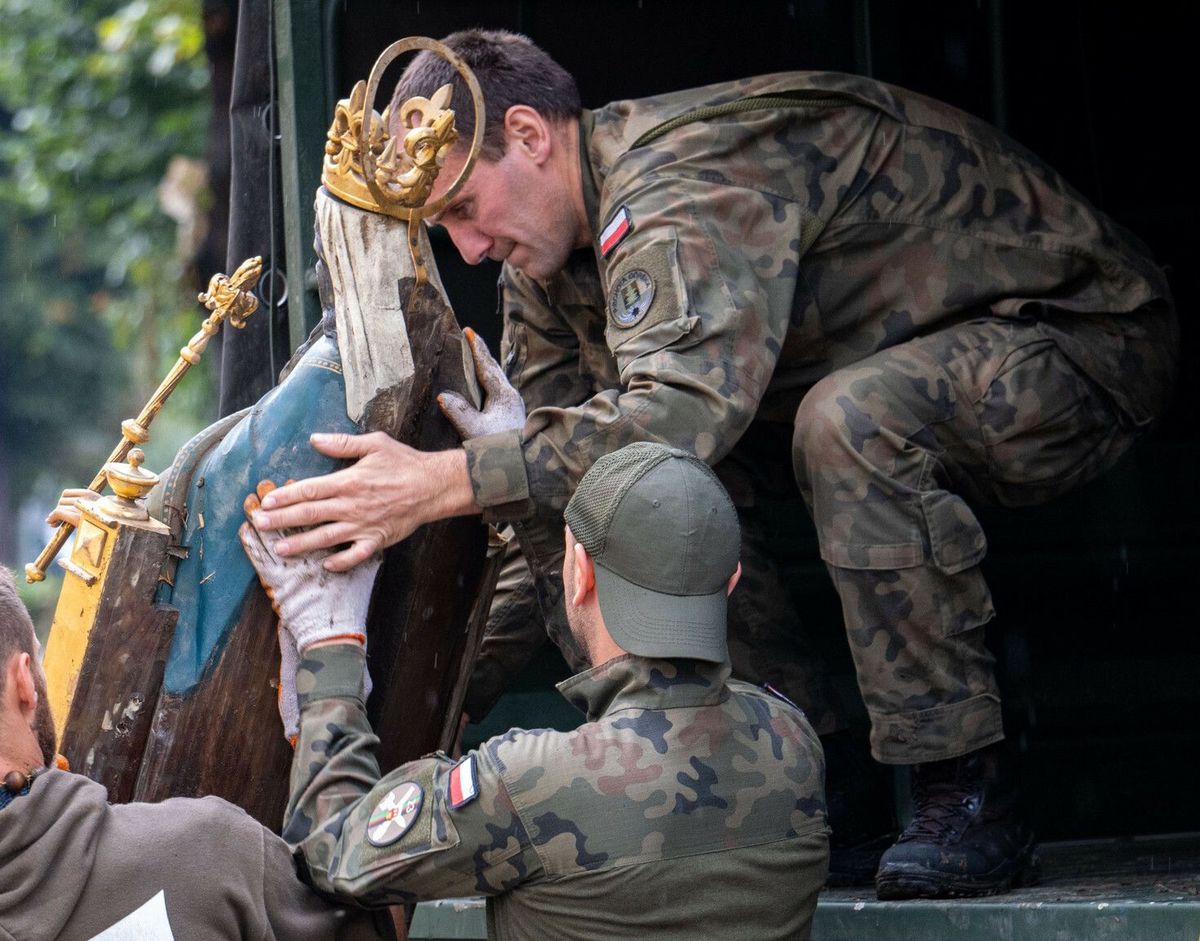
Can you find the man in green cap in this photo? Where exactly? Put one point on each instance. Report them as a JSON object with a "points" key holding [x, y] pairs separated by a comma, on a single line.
{"points": [[679, 778]]}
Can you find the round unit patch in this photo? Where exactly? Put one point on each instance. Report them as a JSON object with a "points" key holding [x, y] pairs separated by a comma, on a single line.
{"points": [[395, 813], [631, 297]]}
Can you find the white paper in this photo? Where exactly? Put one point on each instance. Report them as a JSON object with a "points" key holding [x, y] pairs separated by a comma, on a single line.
{"points": [[148, 923]]}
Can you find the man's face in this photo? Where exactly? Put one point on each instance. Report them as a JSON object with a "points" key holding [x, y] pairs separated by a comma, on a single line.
{"points": [[512, 209]]}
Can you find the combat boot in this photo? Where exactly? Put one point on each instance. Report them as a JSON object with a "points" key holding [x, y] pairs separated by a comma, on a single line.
{"points": [[966, 837]]}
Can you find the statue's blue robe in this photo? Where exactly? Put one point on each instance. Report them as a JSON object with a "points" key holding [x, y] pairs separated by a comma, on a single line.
{"points": [[269, 443]]}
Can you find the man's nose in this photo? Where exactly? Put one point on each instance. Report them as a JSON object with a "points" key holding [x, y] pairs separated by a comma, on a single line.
{"points": [[472, 244]]}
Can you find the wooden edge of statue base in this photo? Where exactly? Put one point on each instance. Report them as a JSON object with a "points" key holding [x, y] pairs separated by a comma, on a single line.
{"points": [[108, 648]]}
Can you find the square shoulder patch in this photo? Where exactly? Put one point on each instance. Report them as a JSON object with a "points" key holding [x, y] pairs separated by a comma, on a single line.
{"points": [[645, 289]]}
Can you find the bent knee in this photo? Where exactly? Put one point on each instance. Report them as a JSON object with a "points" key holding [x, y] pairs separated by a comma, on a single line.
{"points": [[829, 414]]}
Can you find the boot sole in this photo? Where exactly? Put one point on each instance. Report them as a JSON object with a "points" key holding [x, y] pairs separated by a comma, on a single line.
{"points": [[903, 881]]}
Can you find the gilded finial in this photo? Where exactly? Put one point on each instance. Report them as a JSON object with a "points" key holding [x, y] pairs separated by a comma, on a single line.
{"points": [[229, 297], [130, 483]]}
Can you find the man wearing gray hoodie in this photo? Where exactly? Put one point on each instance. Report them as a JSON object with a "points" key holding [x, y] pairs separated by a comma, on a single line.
{"points": [[75, 868]]}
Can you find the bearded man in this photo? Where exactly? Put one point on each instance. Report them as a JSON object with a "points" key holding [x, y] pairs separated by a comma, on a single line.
{"points": [[76, 867]]}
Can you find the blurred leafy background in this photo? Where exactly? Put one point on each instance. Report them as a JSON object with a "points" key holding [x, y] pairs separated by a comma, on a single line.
{"points": [[104, 112]]}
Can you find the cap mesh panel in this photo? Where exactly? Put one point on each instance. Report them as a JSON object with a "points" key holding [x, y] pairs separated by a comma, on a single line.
{"points": [[598, 495]]}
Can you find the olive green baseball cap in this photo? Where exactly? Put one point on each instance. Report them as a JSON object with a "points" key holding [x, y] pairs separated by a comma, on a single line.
{"points": [[664, 536]]}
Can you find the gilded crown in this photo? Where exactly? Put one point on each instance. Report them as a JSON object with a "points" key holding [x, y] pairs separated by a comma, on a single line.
{"points": [[403, 174]]}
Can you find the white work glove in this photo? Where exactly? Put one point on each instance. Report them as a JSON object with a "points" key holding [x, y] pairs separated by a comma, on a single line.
{"points": [[502, 406], [313, 603], [288, 701]]}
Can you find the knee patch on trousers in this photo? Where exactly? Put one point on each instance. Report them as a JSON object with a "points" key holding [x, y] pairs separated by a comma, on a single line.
{"points": [[932, 527], [933, 544]]}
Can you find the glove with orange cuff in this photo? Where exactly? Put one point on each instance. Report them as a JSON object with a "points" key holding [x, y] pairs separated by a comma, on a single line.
{"points": [[313, 604]]}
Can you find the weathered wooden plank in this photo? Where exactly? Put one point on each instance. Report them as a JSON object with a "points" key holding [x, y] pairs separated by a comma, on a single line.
{"points": [[225, 738], [109, 719]]}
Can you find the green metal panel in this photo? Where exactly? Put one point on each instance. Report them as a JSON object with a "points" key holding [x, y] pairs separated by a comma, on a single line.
{"points": [[449, 918], [305, 110], [1005, 918], [1142, 889]]}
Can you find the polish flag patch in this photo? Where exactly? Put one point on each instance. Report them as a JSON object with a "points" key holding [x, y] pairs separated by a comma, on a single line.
{"points": [[464, 784], [614, 233]]}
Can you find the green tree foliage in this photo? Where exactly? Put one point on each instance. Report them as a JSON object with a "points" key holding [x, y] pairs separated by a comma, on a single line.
{"points": [[96, 98]]}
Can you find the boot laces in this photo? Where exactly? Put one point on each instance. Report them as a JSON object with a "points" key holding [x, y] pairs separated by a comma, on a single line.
{"points": [[942, 814]]}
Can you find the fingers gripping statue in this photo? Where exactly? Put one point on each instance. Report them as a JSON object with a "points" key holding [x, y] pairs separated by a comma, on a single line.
{"points": [[313, 605]]}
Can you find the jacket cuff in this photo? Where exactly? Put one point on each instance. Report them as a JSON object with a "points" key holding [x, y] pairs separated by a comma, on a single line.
{"points": [[334, 671], [496, 465]]}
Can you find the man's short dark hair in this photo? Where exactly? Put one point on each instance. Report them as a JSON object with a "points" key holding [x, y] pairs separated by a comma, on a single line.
{"points": [[16, 628], [511, 71]]}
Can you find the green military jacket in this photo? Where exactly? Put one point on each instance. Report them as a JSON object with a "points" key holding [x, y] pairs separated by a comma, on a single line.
{"points": [[784, 226], [687, 806]]}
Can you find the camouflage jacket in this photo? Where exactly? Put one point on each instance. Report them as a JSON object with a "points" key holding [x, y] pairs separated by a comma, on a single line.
{"points": [[678, 778], [783, 227]]}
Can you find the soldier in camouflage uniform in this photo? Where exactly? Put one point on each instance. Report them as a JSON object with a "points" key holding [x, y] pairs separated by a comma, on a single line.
{"points": [[930, 313], [679, 778]]}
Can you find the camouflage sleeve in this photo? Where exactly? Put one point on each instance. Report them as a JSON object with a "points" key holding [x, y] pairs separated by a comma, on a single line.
{"points": [[540, 348], [432, 828], [698, 297]]}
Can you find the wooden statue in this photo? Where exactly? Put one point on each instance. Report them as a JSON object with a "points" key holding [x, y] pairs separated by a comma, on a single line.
{"points": [[162, 659]]}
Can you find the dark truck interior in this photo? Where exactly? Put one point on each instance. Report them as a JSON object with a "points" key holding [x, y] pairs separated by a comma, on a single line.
{"points": [[1098, 662]]}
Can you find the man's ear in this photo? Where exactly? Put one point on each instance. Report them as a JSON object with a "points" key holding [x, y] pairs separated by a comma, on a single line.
{"points": [[20, 679], [527, 131], [734, 579], [585, 574]]}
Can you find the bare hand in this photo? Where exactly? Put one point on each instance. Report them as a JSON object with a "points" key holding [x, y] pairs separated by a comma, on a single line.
{"points": [[67, 510], [380, 499], [502, 406]]}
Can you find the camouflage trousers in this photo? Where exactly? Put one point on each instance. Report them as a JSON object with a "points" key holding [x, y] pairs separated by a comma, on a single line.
{"points": [[890, 452], [888, 455]]}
